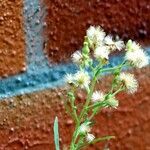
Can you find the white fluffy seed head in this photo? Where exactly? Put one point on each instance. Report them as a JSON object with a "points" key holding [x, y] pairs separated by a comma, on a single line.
{"points": [[129, 81], [102, 52], [132, 46], [119, 45], [84, 128], [97, 96], [77, 57], [82, 79], [112, 44], [137, 58], [91, 32], [95, 35], [109, 40], [69, 78], [90, 137]]}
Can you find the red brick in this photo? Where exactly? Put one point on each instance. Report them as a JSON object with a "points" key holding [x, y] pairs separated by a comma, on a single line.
{"points": [[12, 44]]}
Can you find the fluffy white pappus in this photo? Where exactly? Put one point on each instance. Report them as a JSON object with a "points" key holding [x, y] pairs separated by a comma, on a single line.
{"points": [[119, 45], [129, 81], [137, 58], [113, 45], [91, 32], [69, 78], [90, 137], [109, 40], [77, 57], [84, 128], [102, 52], [95, 35], [132, 46], [97, 96], [82, 79]]}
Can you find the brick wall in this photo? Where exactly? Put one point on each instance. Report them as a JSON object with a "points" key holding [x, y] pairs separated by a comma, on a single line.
{"points": [[36, 40]]}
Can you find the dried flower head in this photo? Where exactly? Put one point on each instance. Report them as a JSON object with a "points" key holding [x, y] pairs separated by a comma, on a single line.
{"points": [[69, 78], [84, 128], [112, 44], [77, 57], [132, 46], [102, 52], [137, 58], [97, 96], [119, 45], [90, 137], [95, 35], [129, 82], [82, 79], [100, 45]]}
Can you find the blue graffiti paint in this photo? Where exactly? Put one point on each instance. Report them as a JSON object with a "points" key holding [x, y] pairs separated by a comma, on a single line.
{"points": [[40, 74]]}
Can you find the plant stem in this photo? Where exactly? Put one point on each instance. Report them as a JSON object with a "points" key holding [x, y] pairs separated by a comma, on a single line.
{"points": [[86, 106], [74, 111], [114, 68], [116, 92], [72, 102], [96, 140], [72, 146], [88, 99], [97, 105], [74, 137]]}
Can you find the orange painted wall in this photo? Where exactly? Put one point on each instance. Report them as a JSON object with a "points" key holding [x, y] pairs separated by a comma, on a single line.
{"points": [[12, 39]]}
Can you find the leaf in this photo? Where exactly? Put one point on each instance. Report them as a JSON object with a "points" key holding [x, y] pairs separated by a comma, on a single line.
{"points": [[56, 134]]}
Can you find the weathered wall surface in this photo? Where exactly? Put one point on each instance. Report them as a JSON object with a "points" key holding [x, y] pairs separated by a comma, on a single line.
{"points": [[12, 42], [53, 30], [26, 122], [67, 22]]}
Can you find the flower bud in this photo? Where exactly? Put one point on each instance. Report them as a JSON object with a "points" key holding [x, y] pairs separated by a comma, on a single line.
{"points": [[85, 49], [112, 102]]}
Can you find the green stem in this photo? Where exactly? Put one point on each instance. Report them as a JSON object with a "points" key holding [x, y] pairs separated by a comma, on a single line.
{"points": [[114, 68], [102, 139], [96, 74], [88, 99], [74, 112], [102, 104], [119, 68], [93, 114], [86, 107], [74, 107], [96, 140], [72, 146], [116, 92], [74, 137]]}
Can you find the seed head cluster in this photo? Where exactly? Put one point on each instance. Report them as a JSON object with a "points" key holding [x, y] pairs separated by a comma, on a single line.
{"points": [[92, 60]]}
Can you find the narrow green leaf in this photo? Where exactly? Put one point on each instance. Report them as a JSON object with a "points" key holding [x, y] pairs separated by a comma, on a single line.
{"points": [[56, 134]]}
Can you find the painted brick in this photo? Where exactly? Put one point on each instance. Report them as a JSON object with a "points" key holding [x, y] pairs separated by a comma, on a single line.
{"points": [[12, 44], [67, 22], [28, 119]]}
